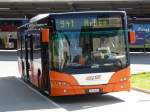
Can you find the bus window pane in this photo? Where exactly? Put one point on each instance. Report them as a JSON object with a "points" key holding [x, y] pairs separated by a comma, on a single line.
{"points": [[89, 49]]}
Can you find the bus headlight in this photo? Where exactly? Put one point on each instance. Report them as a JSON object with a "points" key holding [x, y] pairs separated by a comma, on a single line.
{"points": [[61, 83], [124, 79], [121, 79]]}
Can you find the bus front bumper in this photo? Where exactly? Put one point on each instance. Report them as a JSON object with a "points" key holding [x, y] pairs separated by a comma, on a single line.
{"points": [[64, 90]]}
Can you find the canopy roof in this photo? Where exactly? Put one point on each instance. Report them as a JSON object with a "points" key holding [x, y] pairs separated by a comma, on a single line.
{"points": [[30, 8]]}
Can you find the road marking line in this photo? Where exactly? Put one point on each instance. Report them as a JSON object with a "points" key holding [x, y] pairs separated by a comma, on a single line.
{"points": [[50, 101]]}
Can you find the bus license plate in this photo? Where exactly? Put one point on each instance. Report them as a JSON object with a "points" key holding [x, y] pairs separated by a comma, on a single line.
{"points": [[94, 90]]}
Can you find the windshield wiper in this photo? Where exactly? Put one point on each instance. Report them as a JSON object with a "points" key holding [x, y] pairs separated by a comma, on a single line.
{"points": [[79, 66]]}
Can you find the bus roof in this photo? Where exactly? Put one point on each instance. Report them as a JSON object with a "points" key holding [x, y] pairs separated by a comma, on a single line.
{"points": [[42, 16], [23, 26]]}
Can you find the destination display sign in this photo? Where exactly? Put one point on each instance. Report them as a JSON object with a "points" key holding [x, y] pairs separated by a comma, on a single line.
{"points": [[78, 23]]}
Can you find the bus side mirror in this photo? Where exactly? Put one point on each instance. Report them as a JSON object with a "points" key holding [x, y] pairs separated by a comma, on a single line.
{"points": [[132, 38], [45, 35]]}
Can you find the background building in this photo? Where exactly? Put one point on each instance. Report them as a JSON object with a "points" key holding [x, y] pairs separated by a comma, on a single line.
{"points": [[138, 11]]}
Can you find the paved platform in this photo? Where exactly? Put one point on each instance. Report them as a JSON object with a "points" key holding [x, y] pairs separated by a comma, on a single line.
{"points": [[15, 96], [140, 62]]}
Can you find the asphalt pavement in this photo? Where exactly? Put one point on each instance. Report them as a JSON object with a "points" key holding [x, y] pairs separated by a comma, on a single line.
{"points": [[16, 96], [132, 101]]}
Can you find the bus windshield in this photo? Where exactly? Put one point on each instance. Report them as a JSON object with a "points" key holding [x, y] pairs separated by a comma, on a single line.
{"points": [[89, 48]]}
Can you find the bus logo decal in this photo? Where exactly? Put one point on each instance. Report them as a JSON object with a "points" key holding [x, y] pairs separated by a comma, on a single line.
{"points": [[93, 77]]}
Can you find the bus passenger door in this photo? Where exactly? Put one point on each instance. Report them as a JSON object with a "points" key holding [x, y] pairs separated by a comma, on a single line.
{"points": [[28, 57], [45, 59], [23, 57]]}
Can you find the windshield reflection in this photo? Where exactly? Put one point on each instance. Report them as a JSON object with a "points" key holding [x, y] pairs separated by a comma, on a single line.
{"points": [[93, 49]]}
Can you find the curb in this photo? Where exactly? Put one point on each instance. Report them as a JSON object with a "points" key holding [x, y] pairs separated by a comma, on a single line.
{"points": [[8, 50], [141, 90]]}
